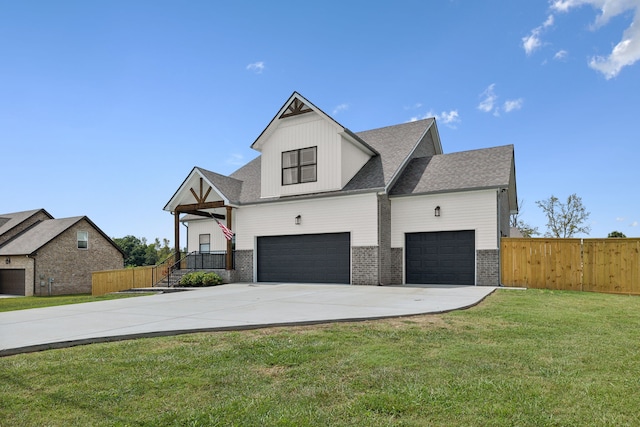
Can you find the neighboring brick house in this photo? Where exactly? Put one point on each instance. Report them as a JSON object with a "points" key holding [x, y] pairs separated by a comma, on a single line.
{"points": [[40, 255], [324, 204]]}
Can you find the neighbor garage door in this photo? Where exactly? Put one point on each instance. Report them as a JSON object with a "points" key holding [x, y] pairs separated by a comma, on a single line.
{"points": [[308, 258], [444, 257], [12, 282]]}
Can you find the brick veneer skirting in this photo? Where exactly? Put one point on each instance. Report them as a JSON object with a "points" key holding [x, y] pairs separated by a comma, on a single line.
{"points": [[244, 266], [364, 265], [396, 266], [488, 267]]}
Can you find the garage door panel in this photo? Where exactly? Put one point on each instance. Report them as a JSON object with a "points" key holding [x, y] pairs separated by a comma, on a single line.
{"points": [[310, 258], [446, 257]]}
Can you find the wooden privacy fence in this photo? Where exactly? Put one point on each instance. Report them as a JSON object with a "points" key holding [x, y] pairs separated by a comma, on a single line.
{"points": [[595, 265], [104, 282]]}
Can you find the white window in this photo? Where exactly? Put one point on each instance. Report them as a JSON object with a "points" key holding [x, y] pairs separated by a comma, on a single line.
{"points": [[205, 243], [83, 240]]}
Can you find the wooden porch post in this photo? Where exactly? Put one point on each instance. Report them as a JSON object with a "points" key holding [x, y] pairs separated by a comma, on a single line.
{"points": [[177, 235], [229, 259]]}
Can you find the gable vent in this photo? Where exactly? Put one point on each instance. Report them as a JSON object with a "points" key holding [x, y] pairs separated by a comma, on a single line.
{"points": [[295, 108]]}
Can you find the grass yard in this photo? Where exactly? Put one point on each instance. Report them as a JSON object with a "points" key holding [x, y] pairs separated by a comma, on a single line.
{"points": [[520, 358], [23, 303]]}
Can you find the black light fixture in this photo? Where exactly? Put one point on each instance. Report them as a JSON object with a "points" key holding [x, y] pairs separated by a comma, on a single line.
{"points": [[298, 220], [437, 211], [7, 260]]}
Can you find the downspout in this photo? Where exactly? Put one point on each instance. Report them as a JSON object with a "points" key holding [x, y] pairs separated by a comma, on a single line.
{"points": [[35, 275], [498, 200]]}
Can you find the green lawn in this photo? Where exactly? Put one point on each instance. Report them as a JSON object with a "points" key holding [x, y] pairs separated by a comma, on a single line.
{"points": [[23, 303], [520, 358]]}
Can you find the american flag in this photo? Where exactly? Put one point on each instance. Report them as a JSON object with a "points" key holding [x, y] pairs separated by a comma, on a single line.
{"points": [[228, 234]]}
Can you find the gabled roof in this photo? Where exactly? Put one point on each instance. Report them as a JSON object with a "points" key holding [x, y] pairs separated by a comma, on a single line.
{"points": [[466, 170], [407, 159], [42, 233], [11, 220], [395, 145], [297, 105], [226, 187]]}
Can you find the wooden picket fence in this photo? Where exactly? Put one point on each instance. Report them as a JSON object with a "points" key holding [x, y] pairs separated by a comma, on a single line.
{"points": [[594, 265]]}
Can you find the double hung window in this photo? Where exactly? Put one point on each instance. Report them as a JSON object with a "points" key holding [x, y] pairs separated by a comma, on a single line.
{"points": [[204, 243], [83, 239]]}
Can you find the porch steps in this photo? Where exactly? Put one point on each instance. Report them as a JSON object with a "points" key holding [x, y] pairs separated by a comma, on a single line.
{"points": [[173, 279]]}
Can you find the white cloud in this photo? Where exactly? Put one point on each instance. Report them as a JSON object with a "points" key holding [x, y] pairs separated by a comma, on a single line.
{"points": [[627, 51], [634, 224], [257, 67], [489, 99], [489, 102], [620, 219], [340, 108], [560, 55], [532, 42], [449, 118], [513, 104]]}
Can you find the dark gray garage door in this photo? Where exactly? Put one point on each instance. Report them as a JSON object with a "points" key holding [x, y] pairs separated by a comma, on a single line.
{"points": [[307, 258], [12, 282], [444, 257]]}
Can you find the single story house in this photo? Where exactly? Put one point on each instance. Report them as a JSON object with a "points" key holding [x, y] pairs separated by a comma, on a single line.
{"points": [[323, 204], [40, 255]]}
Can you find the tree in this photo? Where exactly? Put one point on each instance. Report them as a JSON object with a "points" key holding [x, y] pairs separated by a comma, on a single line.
{"points": [[616, 234], [525, 229], [138, 252], [565, 219]]}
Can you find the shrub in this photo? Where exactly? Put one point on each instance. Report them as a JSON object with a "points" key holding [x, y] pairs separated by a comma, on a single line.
{"points": [[200, 279]]}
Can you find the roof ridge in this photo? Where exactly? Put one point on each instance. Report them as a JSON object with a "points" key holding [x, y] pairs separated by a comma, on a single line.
{"points": [[396, 125]]}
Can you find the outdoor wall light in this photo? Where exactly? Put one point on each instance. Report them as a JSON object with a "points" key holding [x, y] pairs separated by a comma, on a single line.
{"points": [[298, 220], [437, 211], [7, 260]]}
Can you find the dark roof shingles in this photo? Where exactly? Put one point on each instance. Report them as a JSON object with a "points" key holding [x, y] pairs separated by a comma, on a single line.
{"points": [[483, 168]]}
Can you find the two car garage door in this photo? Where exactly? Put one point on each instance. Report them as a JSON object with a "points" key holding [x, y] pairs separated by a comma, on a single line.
{"points": [[308, 258]]}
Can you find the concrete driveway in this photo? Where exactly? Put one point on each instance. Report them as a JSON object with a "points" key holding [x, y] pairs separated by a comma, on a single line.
{"points": [[226, 307]]}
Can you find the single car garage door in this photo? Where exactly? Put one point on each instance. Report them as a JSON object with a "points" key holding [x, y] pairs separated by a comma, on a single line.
{"points": [[12, 282], [443, 257], [307, 258]]}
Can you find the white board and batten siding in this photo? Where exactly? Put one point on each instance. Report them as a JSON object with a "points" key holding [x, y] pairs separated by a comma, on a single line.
{"points": [[309, 130], [469, 210], [352, 159], [356, 214]]}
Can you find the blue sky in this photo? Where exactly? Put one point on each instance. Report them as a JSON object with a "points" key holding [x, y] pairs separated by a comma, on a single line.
{"points": [[106, 106]]}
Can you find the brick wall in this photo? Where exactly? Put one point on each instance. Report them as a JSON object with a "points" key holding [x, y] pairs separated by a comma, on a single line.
{"points": [[244, 266], [384, 239], [396, 266], [21, 263], [364, 265], [488, 267], [71, 267]]}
